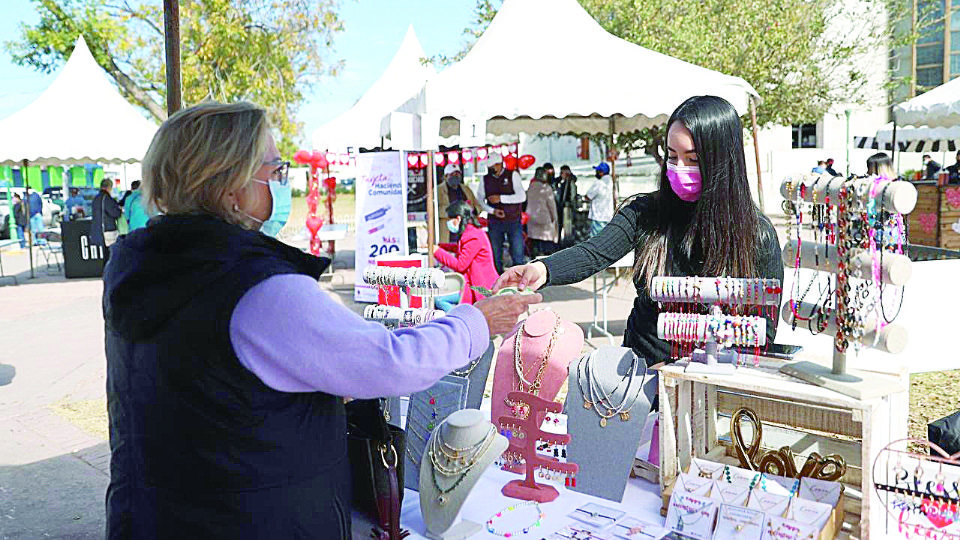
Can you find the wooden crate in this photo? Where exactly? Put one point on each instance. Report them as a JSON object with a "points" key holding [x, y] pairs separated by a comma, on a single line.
{"points": [[928, 204], [695, 410], [949, 216]]}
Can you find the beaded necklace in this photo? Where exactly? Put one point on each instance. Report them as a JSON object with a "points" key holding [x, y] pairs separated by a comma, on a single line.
{"points": [[513, 508], [450, 461]]}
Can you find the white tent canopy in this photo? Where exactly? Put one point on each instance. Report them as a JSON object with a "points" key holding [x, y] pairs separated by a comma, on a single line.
{"points": [[81, 118], [360, 126], [939, 107], [627, 87], [921, 138]]}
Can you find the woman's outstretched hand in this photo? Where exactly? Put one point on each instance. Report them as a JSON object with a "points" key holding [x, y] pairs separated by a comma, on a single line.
{"points": [[502, 312], [528, 276]]}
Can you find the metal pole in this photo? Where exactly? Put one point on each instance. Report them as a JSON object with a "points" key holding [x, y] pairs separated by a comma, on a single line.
{"points": [[893, 148], [613, 164], [26, 183], [431, 232], [847, 112], [171, 33], [756, 150]]}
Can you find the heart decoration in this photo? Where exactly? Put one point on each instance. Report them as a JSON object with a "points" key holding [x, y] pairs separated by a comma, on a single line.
{"points": [[482, 152], [330, 183], [527, 161], [504, 150], [512, 148], [413, 161], [467, 156], [453, 156], [956, 227], [313, 224], [953, 197], [438, 158], [303, 157], [319, 160], [510, 162], [331, 158], [424, 160], [928, 222], [938, 513]]}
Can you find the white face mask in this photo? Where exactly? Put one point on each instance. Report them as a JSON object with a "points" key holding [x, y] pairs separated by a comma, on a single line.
{"points": [[453, 227]]}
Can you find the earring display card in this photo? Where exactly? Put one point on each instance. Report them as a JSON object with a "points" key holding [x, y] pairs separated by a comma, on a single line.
{"points": [[476, 372], [736, 475], [768, 503], [575, 532], [791, 485], [775, 528], [730, 494], [596, 515], [820, 491], [607, 405], [427, 409], [633, 529], [809, 512], [695, 485], [739, 523], [691, 516]]}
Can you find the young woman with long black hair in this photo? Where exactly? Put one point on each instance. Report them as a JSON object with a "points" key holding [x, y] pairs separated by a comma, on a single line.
{"points": [[701, 222]]}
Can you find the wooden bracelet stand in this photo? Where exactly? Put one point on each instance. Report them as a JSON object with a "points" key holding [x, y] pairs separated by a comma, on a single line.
{"points": [[892, 196], [525, 445]]}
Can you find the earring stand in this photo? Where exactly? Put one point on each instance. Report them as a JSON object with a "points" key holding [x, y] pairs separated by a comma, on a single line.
{"points": [[849, 201], [715, 330], [524, 444]]}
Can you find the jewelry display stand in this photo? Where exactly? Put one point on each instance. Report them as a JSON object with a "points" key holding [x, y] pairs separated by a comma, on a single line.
{"points": [[855, 220], [464, 434], [427, 410], [477, 372], [422, 282], [715, 330], [608, 402], [542, 347], [525, 433]]}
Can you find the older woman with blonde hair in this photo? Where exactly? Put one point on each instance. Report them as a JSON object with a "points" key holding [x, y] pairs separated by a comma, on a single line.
{"points": [[225, 360]]}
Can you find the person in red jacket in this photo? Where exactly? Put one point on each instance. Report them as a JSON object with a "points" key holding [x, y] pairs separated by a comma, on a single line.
{"points": [[472, 256]]}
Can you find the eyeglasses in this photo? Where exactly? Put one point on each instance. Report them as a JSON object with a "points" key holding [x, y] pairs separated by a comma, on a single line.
{"points": [[281, 174]]}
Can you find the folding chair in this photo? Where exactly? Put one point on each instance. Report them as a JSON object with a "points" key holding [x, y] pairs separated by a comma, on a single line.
{"points": [[50, 247]]}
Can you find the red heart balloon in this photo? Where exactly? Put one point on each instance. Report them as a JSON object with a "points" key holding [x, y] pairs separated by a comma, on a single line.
{"points": [[312, 197], [467, 156], [302, 157], [439, 159], [482, 152], [313, 224], [526, 161], [413, 161], [453, 156], [330, 183], [510, 162]]}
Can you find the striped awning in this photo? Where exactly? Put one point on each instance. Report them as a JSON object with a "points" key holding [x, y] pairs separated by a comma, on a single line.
{"points": [[922, 145]]}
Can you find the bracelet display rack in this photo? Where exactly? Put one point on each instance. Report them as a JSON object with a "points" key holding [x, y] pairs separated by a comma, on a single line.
{"points": [[422, 282], [717, 331], [855, 242]]}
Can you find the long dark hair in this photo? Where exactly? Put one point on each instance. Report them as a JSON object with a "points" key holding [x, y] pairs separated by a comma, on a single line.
{"points": [[465, 212], [723, 225]]}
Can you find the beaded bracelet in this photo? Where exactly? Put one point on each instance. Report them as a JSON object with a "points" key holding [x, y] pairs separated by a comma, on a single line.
{"points": [[508, 534]]}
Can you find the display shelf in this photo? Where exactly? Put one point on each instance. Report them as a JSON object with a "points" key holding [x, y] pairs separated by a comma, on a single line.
{"points": [[694, 417]]}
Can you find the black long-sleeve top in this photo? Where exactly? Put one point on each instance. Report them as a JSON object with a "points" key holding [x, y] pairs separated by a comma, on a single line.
{"points": [[629, 226]]}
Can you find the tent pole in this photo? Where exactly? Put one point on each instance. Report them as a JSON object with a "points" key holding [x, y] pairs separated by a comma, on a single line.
{"points": [[171, 33], [431, 238], [613, 164], [26, 183], [756, 150], [893, 148]]}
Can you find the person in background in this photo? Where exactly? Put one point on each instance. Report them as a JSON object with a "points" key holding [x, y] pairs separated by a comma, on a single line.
{"points": [[227, 365], [105, 212], [880, 164], [542, 209], [471, 256], [567, 206], [74, 201], [820, 168], [134, 210], [830, 169], [35, 204], [502, 195], [954, 170], [21, 219], [600, 197], [930, 167], [452, 190]]}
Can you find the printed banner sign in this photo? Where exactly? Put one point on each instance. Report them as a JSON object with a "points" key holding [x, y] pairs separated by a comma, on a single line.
{"points": [[381, 214]]}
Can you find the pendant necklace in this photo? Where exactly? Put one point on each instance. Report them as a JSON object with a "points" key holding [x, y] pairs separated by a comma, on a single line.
{"points": [[604, 399], [520, 409], [469, 370], [681, 523], [450, 461]]}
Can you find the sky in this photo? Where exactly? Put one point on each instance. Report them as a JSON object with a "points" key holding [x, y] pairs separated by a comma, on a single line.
{"points": [[373, 30]]}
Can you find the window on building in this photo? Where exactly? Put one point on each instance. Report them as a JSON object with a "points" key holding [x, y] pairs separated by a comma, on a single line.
{"points": [[930, 55], [805, 136], [929, 77]]}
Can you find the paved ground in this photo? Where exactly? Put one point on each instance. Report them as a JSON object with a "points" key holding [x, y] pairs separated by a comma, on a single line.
{"points": [[53, 474]]}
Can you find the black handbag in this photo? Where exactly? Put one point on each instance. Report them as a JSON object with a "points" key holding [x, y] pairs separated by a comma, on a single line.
{"points": [[376, 465], [945, 433]]}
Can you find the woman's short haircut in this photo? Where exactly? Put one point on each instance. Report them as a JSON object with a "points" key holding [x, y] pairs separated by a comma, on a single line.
{"points": [[202, 153], [106, 184]]}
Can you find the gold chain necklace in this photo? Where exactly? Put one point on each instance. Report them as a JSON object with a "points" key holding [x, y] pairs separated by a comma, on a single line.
{"points": [[520, 409]]}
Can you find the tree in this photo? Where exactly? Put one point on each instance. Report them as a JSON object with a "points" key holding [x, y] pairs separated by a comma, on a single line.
{"points": [[802, 56], [266, 51]]}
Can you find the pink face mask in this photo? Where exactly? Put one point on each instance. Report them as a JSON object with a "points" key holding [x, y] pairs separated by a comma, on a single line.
{"points": [[685, 181]]}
